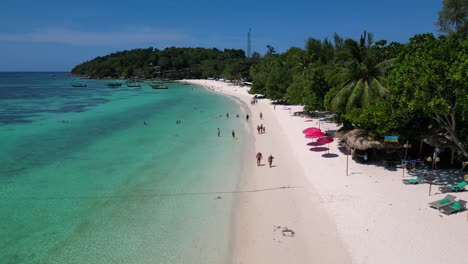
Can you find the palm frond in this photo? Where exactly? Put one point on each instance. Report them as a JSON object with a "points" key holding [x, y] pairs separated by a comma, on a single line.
{"points": [[339, 101], [386, 65], [354, 96], [365, 96], [377, 88]]}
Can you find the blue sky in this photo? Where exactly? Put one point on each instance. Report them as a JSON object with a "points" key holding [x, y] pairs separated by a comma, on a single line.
{"points": [[52, 35]]}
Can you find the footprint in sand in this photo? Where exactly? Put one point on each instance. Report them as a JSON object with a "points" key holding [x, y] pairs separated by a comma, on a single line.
{"points": [[282, 231]]}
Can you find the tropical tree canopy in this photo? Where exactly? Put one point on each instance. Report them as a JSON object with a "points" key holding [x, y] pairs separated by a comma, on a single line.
{"points": [[431, 78], [453, 18]]}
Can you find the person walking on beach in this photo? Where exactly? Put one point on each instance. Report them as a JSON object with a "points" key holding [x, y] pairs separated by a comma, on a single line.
{"points": [[263, 129], [233, 134], [261, 115], [259, 158], [247, 117], [270, 160], [219, 132], [258, 129]]}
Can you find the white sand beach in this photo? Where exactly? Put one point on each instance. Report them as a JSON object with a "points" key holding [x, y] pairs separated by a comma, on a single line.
{"points": [[369, 216]]}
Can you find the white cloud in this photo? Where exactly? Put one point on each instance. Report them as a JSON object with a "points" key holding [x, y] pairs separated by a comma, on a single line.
{"points": [[76, 37]]}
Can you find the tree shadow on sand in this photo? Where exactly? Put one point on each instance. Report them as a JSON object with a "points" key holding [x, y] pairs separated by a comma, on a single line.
{"points": [[445, 177]]}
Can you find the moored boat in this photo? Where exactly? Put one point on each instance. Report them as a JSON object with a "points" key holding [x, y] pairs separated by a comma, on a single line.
{"points": [[114, 84], [79, 85], [133, 84], [158, 86]]}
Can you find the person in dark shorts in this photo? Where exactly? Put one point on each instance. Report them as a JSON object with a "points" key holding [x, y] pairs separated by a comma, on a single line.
{"points": [[270, 160], [259, 158]]}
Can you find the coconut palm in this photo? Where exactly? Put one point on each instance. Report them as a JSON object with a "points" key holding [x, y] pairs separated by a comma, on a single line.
{"points": [[358, 77]]}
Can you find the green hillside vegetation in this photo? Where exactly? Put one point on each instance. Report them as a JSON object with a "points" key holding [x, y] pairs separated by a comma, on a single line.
{"points": [[172, 63]]}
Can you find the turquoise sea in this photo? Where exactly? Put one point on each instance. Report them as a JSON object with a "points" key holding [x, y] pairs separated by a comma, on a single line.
{"points": [[84, 180]]}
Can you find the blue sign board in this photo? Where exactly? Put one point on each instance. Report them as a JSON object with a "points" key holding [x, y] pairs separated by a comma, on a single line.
{"points": [[391, 139]]}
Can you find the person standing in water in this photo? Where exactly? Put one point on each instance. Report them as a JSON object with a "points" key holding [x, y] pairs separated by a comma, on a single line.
{"points": [[219, 132], [259, 158], [247, 117], [233, 134], [270, 160]]}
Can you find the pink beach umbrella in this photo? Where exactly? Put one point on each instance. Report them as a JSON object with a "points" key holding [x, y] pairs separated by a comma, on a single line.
{"points": [[315, 134], [310, 130], [325, 140]]}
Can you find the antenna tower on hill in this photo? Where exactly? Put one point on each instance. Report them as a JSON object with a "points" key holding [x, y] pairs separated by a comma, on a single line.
{"points": [[249, 43]]}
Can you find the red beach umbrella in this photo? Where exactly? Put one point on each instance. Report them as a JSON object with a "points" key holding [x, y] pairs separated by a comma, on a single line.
{"points": [[310, 129], [325, 140], [315, 134]]}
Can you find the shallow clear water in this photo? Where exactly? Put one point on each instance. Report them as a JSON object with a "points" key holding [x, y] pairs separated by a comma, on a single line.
{"points": [[84, 180]]}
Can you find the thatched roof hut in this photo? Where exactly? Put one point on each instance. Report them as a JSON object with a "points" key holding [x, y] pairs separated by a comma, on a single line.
{"points": [[358, 139]]}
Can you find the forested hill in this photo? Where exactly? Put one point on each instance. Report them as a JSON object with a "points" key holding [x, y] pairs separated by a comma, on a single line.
{"points": [[173, 63]]}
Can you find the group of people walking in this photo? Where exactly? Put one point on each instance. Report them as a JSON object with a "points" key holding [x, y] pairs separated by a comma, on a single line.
{"points": [[261, 129], [260, 157]]}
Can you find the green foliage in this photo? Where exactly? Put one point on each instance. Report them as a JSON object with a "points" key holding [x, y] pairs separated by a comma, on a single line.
{"points": [[453, 17], [308, 88], [298, 75], [376, 118], [431, 79], [169, 63]]}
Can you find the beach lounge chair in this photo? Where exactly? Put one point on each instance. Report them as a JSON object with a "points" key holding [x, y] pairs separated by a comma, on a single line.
{"points": [[412, 181], [455, 207], [448, 200], [454, 188]]}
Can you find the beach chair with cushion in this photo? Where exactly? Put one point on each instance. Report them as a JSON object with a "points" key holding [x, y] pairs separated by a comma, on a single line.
{"points": [[459, 187], [447, 201], [455, 207], [412, 181], [454, 188]]}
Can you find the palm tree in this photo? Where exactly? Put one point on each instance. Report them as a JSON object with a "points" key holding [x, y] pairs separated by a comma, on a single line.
{"points": [[317, 52], [358, 76]]}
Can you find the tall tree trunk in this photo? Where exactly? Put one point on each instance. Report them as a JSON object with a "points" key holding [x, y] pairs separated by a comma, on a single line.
{"points": [[449, 124]]}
